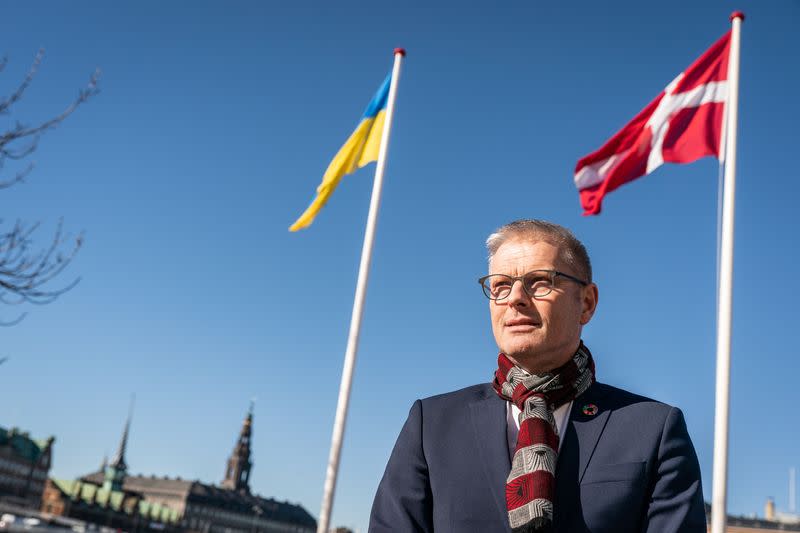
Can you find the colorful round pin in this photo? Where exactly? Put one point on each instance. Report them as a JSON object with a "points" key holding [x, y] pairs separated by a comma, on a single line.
{"points": [[590, 409]]}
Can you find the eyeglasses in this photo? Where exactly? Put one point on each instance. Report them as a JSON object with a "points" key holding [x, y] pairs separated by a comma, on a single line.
{"points": [[536, 284]]}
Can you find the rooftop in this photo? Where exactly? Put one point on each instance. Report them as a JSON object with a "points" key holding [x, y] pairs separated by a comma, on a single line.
{"points": [[22, 444], [212, 495], [119, 501]]}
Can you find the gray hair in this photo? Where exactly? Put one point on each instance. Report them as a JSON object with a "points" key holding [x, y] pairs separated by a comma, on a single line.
{"points": [[571, 250]]}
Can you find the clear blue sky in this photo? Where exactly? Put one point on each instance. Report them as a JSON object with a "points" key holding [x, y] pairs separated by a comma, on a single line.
{"points": [[215, 123]]}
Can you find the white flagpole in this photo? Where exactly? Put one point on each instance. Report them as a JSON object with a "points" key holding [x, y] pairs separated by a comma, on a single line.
{"points": [[725, 290], [358, 306]]}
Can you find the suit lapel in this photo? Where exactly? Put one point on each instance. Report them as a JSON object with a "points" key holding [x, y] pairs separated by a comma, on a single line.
{"points": [[587, 420], [489, 425], [580, 440]]}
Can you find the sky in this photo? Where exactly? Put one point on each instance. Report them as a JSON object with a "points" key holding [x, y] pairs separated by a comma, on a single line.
{"points": [[214, 124]]}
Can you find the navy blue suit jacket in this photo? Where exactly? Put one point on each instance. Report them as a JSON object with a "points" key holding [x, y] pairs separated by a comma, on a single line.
{"points": [[629, 467]]}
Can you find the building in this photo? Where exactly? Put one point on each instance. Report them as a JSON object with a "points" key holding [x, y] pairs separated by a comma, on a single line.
{"points": [[24, 464], [743, 524], [123, 510], [107, 502], [773, 515], [207, 508], [230, 507]]}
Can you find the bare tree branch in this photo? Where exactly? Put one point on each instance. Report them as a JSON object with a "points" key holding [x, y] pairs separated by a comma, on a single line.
{"points": [[6, 103], [26, 270], [20, 133]]}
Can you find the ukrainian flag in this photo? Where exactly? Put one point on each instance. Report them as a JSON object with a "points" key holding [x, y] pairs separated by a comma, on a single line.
{"points": [[361, 148]]}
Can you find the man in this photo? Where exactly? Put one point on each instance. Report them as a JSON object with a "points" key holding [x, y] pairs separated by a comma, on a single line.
{"points": [[544, 447]]}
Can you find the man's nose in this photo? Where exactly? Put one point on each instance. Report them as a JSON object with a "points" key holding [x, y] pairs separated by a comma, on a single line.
{"points": [[518, 296]]}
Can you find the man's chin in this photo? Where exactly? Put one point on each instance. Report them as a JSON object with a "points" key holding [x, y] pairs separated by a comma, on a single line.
{"points": [[531, 359], [521, 357], [522, 350]]}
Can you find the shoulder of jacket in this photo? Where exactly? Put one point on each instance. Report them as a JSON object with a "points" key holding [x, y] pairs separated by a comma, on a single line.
{"points": [[621, 399], [468, 394]]}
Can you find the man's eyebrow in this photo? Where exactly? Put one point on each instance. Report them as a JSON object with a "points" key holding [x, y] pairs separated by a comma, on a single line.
{"points": [[544, 272]]}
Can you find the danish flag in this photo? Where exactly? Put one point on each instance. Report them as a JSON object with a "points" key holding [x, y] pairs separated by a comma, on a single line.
{"points": [[680, 125]]}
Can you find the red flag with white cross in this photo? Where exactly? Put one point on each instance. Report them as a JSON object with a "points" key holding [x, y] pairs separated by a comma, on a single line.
{"points": [[680, 125]]}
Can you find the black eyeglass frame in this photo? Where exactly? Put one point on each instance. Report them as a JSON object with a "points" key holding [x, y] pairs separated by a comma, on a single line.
{"points": [[521, 279]]}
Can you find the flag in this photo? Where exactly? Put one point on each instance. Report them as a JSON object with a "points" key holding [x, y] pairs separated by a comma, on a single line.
{"points": [[681, 125], [360, 148]]}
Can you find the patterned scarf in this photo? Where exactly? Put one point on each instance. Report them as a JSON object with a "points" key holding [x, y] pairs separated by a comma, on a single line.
{"points": [[530, 487]]}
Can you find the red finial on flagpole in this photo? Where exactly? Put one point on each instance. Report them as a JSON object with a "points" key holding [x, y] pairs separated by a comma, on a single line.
{"points": [[737, 15], [401, 51]]}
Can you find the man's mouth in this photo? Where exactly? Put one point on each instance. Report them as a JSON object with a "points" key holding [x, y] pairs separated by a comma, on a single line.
{"points": [[521, 322]]}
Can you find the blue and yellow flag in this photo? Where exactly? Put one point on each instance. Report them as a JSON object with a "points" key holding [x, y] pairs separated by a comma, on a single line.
{"points": [[361, 148]]}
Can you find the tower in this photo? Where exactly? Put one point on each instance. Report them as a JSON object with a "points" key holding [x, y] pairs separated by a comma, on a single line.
{"points": [[237, 474], [769, 509], [116, 471]]}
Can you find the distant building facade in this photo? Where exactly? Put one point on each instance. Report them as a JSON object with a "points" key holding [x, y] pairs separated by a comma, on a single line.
{"points": [[743, 524], [106, 502], [205, 508], [152, 503], [123, 510], [24, 465], [773, 515]]}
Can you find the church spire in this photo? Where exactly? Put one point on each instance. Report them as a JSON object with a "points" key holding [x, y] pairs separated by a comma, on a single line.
{"points": [[237, 474], [118, 469], [119, 459]]}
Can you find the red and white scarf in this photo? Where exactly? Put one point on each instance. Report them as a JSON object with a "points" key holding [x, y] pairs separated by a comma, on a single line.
{"points": [[530, 487]]}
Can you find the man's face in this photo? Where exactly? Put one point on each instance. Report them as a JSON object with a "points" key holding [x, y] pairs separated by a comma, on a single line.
{"points": [[539, 334]]}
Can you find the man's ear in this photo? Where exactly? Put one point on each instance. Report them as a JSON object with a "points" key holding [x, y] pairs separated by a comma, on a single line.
{"points": [[589, 298]]}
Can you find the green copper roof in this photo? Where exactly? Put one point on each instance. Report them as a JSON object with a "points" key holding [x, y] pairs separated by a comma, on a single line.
{"points": [[95, 494], [159, 512], [28, 448]]}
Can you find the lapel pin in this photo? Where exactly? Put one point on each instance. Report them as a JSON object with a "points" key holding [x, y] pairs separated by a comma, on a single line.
{"points": [[590, 409]]}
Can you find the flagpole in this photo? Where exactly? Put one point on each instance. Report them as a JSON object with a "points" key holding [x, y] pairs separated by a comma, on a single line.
{"points": [[725, 290], [358, 306]]}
